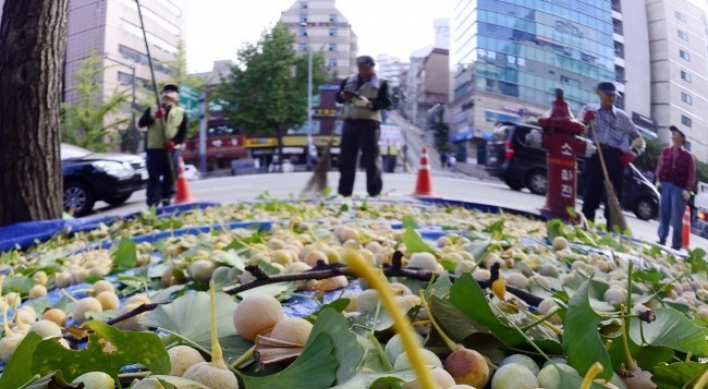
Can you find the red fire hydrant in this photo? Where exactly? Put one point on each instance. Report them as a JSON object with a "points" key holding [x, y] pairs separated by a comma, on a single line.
{"points": [[561, 138]]}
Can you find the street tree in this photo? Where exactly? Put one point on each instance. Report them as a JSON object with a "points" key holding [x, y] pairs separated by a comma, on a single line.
{"points": [[92, 120], [265, 93], [32, 52]]}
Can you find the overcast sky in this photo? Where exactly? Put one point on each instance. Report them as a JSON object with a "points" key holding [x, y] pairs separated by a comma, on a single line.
{"points": [[217, 28]]}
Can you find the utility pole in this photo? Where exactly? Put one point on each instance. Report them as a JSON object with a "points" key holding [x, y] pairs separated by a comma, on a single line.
{"points": [[309, 97]]}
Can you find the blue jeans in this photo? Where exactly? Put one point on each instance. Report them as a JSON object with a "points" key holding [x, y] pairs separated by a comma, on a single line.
{"points": [[671, 213]]}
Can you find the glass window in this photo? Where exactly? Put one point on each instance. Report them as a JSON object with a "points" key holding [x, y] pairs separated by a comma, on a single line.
{"points": [[302, 32], [303, 18], [685, 55], [332, 47], [332, 62], [680, 16], [303, 5], [683, 35], [70, 151], [136, 31], [686, 121], [302, 46], [686, 98], [332, 32], [333, 18], [686, 76]]}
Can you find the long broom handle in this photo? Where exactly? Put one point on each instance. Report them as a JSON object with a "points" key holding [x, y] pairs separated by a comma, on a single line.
{"points": [[599, 150], [154, 86]]}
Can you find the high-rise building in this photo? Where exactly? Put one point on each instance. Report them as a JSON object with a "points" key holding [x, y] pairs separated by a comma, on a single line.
{"points": [[632, 67], [319, 23], [111, 28], [679, 87], [390, 68], [510, 56]]}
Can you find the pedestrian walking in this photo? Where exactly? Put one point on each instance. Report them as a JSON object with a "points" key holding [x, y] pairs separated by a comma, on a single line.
{"points": [[364, 96], [451, 161], [620, 144], [676, 172], [160, 145]]}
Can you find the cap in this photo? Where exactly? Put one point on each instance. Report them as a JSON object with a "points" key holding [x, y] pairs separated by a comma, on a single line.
{"points": [[675, 129], [365, 60], [607, 88], [170, 88]]}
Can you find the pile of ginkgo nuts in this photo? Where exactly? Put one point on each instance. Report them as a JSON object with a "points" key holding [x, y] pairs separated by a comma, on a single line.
{"points": [[384, 295]]}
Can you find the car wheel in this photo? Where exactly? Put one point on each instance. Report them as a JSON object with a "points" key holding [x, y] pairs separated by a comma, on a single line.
{"points": [[513, 185], [537, 182], [645, 209], [119, 200], [77, 198]]}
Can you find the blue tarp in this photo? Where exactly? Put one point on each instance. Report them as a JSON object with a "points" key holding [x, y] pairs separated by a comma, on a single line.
{"points": [[26, 234]]}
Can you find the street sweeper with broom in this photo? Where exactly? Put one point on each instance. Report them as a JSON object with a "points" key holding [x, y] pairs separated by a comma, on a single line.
{"points": [[364, 96], [619, 143]]}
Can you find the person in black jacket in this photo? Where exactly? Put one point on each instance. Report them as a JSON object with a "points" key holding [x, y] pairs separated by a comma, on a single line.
{"points": [[364, 96]]}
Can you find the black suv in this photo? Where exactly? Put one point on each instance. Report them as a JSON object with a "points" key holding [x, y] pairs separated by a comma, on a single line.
{"points": [[520, 165]]}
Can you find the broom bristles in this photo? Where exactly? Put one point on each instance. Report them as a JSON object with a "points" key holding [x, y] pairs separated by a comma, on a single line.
{"points": [[615, 210], [318, 181]]}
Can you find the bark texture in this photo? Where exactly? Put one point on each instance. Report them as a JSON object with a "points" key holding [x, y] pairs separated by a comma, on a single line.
{"points": [[32, 52]]}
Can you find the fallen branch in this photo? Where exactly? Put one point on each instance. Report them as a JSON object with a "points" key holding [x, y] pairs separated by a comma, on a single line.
{"points": [[323, 271]]}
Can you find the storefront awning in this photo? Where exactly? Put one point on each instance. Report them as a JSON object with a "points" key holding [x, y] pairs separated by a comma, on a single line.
{"points": [[462, 136]]}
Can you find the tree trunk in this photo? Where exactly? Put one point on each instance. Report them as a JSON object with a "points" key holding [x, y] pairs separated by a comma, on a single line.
{"points": [[31, 71], [280, 149]]}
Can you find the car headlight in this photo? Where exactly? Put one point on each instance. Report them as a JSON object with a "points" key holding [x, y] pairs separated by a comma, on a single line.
{"points": [[115, 169]]}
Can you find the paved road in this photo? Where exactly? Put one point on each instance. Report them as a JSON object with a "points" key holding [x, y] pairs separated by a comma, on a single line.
{"points": [[247, 188]]}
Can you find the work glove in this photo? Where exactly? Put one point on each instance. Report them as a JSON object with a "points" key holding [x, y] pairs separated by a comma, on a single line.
{"points": [[159, 113], [686, 195], [170, 146], [627, 158], [361, 102], [588, 116]]}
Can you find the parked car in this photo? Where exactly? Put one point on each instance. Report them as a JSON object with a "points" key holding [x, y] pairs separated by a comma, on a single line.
{"points": [[521, 165], [91, 177]]}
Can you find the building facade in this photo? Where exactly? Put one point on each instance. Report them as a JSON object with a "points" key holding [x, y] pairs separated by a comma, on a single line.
{"points": [[390, 68], [319, 23], [511, 55], [679, 68], [112, 29]]}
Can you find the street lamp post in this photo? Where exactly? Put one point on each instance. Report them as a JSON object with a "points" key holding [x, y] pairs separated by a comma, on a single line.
{"points": [[133, 129], [309, 96]]}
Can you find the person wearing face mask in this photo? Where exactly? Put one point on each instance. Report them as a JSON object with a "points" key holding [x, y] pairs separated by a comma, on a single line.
{"points": [[364, 96], [165, 128], [676, 174]]}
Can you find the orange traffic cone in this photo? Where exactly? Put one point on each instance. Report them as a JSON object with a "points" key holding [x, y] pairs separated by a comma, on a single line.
{"points": [[686, 229], [424, 185], [184, 194]]}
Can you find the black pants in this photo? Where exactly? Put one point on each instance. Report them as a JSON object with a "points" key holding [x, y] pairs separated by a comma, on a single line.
{"points": [[360, 135], [594, 182], [160, 185]]}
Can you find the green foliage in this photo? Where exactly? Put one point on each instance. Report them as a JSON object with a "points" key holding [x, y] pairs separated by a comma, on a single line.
{"points": [[266, 93], [92, 121], [442, 137]]}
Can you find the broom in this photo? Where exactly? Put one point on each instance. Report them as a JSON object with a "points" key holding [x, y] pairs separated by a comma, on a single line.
{"points": [[170, 162], [615, 209], [318, 181]]}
